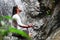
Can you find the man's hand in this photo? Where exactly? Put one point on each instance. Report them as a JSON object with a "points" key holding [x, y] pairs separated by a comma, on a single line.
{"points": [[30, 25]]}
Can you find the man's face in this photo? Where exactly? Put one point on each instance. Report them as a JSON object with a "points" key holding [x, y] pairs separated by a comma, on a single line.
{"points": [[18, 10]]}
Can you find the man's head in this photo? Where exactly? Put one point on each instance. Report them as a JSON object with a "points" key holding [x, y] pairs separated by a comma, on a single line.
{"points": [[16, 10]]}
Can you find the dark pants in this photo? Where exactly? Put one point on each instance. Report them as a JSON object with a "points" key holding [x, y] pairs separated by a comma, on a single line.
{"points": [[26, 31], [19, 36]]}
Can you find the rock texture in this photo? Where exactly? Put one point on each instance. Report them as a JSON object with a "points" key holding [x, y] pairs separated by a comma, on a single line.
{"points": [[32, 12]]}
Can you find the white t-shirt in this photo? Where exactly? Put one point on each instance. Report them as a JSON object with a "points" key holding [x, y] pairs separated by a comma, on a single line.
{"points": [[18, 19]]}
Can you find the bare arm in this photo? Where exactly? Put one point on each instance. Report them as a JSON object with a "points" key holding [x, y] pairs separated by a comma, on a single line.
{"points": [[25, 26]]}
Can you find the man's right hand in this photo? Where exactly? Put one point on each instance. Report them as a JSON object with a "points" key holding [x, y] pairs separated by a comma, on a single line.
{"points": [[30, 25]]}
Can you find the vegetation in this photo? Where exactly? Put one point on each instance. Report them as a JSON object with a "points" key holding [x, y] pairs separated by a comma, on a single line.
{"points": [[6, 28]]}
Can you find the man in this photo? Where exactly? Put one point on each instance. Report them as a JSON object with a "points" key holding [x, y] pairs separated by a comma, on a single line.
{"points": [[17, 20]]}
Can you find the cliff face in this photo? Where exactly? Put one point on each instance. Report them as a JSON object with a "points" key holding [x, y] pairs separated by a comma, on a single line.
{"points": [[35, 12]]}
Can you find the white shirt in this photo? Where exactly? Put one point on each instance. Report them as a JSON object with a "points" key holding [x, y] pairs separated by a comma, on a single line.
{"points": [[18, 19]]}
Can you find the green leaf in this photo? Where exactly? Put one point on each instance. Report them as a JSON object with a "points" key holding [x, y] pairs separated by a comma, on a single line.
{"points": [[1, 18], [20, 32], [7, 17], [3, 32]]}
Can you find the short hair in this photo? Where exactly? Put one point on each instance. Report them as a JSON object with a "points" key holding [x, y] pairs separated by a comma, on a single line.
{"points": [[14, 11]]}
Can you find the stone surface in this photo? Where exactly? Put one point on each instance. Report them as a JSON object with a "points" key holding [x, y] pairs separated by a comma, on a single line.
{"points": [[30, 9]]}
